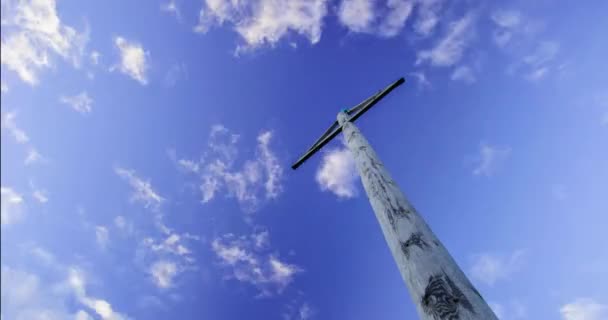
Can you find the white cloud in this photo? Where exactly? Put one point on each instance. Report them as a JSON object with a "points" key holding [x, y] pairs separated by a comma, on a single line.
{"points": [[366, 16], [260, 176], [584, 309], [489, 268], [77, 282], [271, 166], [464, 74], [172, 244], [3, 87], [163, 273], [428, 16], [81, 102], [40, 196], [189, 165], [8, 123], [33, 156], [142, 190], [82, 315], [508, 23], [250, 263], [120, 222], [26, 295], [44, 256], [12, 206], [337, 173], [506, 18], [540, 60], [34, 34], [94, 57], [260, 239], [132, 59], [357, 15], [172, 8], [265, 22], [399, 12], [102, 236], [421, 79], [298, 310], [450, 49], [490, 159]]}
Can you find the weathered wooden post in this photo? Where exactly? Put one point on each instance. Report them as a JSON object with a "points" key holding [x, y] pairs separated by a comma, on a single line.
{"points": [[438, 287]]}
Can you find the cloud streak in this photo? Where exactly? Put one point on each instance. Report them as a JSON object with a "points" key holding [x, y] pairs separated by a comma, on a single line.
{"points": [[142, 189], [450, 49]]}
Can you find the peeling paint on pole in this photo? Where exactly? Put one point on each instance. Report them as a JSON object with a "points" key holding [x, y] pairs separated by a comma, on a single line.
{"points": [[440, 290]]}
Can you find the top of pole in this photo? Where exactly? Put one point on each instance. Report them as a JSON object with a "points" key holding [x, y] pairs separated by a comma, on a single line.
{"points": [[354, 113]]}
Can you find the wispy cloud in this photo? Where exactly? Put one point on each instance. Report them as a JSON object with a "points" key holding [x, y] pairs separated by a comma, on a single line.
{"points": [[450, 49], [337, 173], [464, 74], [28, 295], [36, 34], [94, 56], [249, 263], [81, 102], [172, 8], [298, 310], [265, 22], [142, 189], [133, 59], [258, 177], [77, 282], [366, 16], [25, 296], [490, 158], [357, 15], [40, 196], [428, 16], [12, 210], [506, 18], [123, 225], [33, 156], [163, 273], [584, 309], [102, 236], [8, 123], [398, 13], [491, 267], [421, 79]]}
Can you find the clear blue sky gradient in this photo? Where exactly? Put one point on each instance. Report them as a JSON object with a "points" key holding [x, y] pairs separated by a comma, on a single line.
{"points": [[547, 199]]}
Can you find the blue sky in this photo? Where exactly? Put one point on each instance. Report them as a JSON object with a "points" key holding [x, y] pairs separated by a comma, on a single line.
{"points": [[146, 150]]}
